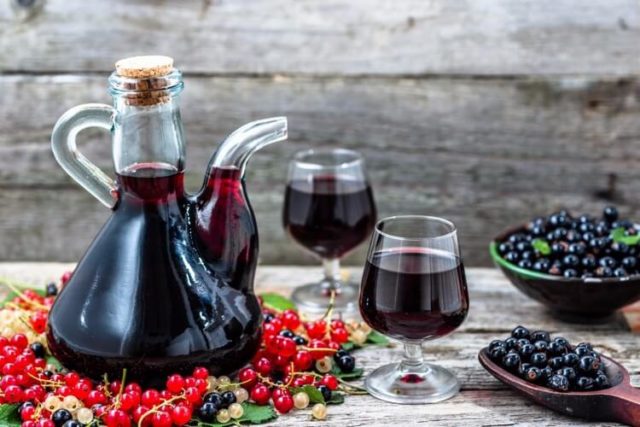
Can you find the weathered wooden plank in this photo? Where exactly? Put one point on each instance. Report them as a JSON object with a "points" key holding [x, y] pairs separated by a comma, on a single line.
{"points": [[483, 400], [484, 37], [483, 153]]}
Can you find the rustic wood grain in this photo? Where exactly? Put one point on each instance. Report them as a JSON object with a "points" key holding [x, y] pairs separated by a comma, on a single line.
{"points": [[484, 153], [482, 37], [496, 307]]}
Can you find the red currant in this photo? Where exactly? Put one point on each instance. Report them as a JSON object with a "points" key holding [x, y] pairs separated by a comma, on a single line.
{"points": [[44, 422], [193, 396], [114, 387], [82, 389], [283, 346], [180, 415], [283, 403], [138, 413], [321, 352], [340, 335], [302, 360], [95, 397], [129, 400], [248, 377], [13, 394], [330, 381], [201, 372], [134, 387], [29, 423], [260, 394], [19, 341], [150, 398], [316, 329], [175, 383], [263, 366], [290, 319], [27, 412], [117, 418], [161, 419]]}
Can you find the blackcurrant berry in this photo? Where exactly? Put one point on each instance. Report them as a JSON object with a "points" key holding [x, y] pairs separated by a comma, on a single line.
{"points": [[584, 383], [558, 382], [228, 397], [504, 248], [558, 249], [343, 352], [555, 362], [556, 349], [510, 343], [589, 262], [630, 262], [511, 361], [570, 273], [568, 373], [346, 363], [512, 256], [287, 333], [540, 336], [588, 364], [214, 398], [539, 359], [268, 317], [326, 392], [541, 345], [207, 412], [515, 238], [620, 272], [523, 368], [571, 261], [526, 264], [73, 423], [601, 381], [38, 350], [299, 340], [60, 417], [610, 213], [577, 249], [607, 261], [571, 359], [497, 353], [520, 332], [522, 342], [560, 233], [51, 290], [533, 374]]}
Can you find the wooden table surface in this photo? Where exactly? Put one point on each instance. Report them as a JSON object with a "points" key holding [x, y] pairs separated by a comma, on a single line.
{"points": [[496, 307]]}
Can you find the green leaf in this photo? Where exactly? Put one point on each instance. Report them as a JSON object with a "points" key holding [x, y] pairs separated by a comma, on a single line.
{"points": [[315, 396], [253, 414], [541, 246], [277, 302], [347, 376], [348, 346], [9, 416], [377, 338], [618, 236], [53, 361], [336, 399]]}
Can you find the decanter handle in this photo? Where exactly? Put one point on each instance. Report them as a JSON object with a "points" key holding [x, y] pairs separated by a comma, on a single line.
{"points": [[83, 171]]}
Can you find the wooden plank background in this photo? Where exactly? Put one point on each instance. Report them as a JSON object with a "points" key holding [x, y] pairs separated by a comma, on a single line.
{"points": [[483, 111]]}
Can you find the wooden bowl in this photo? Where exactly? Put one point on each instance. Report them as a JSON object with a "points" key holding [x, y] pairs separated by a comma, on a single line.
{"points": [[620, 402], [573, 299]]}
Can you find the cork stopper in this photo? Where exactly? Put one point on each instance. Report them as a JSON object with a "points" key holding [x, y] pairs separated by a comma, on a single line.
{"points": [[145, 79], [144, 67]]}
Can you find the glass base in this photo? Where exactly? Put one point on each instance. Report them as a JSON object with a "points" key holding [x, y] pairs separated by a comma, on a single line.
{"points": [[315, 297], [425, 383]]}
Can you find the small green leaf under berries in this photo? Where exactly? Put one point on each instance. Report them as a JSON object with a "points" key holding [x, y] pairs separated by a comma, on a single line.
{"points": [[315, 396], [618, 236], [347, 376], [277, 302], [377, 338], [348, 346], [336, 399], [9, 416], [541, 246], [253, 414], [53, 361]]}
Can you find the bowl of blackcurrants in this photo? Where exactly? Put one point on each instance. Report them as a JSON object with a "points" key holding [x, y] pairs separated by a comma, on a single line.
{"points": [[583, 268]]}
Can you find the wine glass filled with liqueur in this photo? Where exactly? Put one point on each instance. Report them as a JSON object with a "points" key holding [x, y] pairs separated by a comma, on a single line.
{"points": [[414, 290], [329, 210]]}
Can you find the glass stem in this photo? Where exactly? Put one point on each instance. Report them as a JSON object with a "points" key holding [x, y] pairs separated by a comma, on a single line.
{"points": [[412, 356], [332, 272]]}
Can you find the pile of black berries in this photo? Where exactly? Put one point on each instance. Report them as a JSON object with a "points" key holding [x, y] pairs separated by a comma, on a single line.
{"points": [[580, 246], [554, 363]]}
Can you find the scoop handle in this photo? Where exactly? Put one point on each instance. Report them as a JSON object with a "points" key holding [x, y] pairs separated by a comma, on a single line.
{"points": [[625, 405]]}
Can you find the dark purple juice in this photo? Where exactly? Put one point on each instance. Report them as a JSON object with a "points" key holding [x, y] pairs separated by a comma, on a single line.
{"points": [[329, 215], [414, 293], [159, 307]]}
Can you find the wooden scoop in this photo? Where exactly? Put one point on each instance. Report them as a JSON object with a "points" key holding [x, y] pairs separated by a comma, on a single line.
{"points": [[620, 402]]}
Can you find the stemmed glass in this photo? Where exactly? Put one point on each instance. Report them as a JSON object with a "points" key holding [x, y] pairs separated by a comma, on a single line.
{"points": [[413, 289], [329, 210]]}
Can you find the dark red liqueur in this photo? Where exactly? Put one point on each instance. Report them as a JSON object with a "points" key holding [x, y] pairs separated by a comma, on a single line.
{"points": [[414, 293], [329, 215], [160, 306]]}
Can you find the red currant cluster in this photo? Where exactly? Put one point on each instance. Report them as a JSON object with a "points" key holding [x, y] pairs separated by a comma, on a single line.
{"points": [[299, 364], [296, 354]]}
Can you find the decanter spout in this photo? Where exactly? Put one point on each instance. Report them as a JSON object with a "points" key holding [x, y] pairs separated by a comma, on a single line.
{"points": [[237, 148]]}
